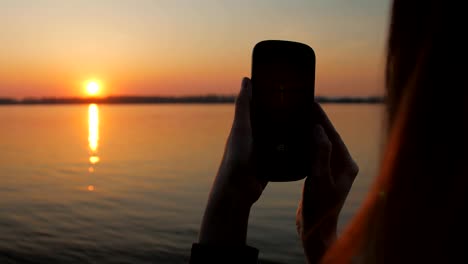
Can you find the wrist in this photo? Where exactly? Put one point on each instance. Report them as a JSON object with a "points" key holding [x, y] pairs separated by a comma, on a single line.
{"points": [[227, 202], [225, 221], [234, 188], [317, 239], [229, 197], [316, 247]]}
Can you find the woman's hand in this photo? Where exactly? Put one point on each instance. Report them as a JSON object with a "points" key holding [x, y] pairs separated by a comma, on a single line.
{"points": [[332, 174], [236, 186]]}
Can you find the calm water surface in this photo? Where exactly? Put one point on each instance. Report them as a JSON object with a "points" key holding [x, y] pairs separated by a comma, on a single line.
{"points": [[128, 183]]}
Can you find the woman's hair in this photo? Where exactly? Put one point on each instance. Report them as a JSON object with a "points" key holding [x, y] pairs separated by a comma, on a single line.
{"points": [[418, 207]]}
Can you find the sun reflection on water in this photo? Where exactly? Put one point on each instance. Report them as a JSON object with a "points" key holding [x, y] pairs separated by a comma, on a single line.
{"points": [[93, 125], [93, 159], [93, 139]]}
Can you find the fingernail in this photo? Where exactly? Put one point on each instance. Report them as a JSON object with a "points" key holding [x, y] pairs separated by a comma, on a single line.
{"points": [[244, 83]]}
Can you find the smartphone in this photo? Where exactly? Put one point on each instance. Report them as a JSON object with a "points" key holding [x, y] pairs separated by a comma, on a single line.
{"points": [[283, 77]]}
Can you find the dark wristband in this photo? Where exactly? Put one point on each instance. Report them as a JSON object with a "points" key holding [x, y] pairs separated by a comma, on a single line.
{"points": [[202, 253]]}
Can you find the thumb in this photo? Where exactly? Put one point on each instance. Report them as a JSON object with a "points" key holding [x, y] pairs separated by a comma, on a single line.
{"points": [[242, 111]]}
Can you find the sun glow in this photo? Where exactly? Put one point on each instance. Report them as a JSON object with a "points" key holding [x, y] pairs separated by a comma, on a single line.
{"points": [[93, 88]]}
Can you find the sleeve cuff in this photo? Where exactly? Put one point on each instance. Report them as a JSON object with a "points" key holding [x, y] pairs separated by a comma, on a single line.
{"points": [[202, 253]]}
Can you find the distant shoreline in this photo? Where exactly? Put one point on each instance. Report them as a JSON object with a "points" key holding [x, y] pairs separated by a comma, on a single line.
{"points": [[208, 99]]}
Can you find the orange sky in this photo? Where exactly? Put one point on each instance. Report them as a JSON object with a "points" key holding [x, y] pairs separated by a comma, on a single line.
{"points": [[50, 48]]}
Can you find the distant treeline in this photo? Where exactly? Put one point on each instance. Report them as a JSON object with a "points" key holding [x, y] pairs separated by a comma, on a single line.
{"points": [[354, 100], [208, 99]]}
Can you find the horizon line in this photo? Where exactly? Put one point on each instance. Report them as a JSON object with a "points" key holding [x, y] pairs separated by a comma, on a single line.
{"points": [[140, 99], [162, 96]]}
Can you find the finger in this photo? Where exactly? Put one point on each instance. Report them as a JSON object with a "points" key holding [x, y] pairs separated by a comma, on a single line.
{"points": [[340, 155], [321, 163], [242, 111], [320, 179], [333, 135]]}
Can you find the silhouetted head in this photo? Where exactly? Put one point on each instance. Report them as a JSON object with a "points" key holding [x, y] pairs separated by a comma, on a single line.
{"points": [[426, 53], [417, 209]]}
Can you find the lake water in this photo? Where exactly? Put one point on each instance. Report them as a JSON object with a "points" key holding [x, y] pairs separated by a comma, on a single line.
{"points": [[128, 183]]}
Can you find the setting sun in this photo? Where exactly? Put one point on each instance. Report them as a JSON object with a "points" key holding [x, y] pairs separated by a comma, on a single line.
{"points": [[93, 88]]}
